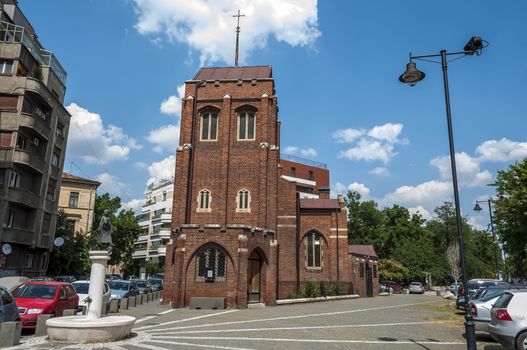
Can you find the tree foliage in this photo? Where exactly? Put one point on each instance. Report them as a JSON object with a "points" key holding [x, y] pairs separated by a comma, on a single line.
{"points": [[511, 215]]}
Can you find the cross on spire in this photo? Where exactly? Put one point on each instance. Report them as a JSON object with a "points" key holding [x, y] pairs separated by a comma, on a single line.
{"points": [[237, 37]]}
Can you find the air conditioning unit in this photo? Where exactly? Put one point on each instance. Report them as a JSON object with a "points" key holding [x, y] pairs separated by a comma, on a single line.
{"points": [[36, 141]]}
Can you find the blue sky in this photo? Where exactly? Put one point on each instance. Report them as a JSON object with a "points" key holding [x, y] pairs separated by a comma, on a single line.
{"points": [[335, 64]]}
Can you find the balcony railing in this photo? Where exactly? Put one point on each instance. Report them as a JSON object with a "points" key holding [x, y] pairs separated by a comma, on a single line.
{"points": [[12, 33], [303, 161]]}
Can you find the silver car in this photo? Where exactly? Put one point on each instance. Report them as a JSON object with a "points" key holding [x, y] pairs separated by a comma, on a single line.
{"points": [[480, 310], [417, 288], [508, 324], [8, 308]]}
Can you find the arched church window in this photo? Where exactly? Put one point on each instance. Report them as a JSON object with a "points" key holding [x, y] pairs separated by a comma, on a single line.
{"points": [[314, 250], [243, 201], [246, 125], [209, 126], [204, 200], [211, 259]]}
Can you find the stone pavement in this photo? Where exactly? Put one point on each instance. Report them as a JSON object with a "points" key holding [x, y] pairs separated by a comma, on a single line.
{"points": [[398, 322]]}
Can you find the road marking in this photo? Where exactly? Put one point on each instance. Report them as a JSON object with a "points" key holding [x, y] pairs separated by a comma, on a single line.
{"points": [[303, 340], [153, 316], [290, 317], [184, 320], [197, 345], [294, 328]]}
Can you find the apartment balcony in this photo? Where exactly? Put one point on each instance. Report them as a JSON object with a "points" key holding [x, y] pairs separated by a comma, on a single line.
{"points": [[17, 235], [141, 239], [162, 251], [139, 254], [308, 195], [23, 196], [36, 123], [29, 159], [163, 218], [164, 233]]}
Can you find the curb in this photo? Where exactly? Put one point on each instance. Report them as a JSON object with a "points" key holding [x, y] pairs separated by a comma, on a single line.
{"points": [[311, 300]]}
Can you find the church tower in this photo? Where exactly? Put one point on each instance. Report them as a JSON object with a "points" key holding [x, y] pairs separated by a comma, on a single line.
{"points": [[224, 241]]}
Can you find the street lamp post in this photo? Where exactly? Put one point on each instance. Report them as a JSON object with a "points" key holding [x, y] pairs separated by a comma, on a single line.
{"points": [[411, 77], [478, 209]]}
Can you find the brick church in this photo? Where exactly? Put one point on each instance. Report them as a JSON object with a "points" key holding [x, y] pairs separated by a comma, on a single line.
{"points": [[248, 225]]}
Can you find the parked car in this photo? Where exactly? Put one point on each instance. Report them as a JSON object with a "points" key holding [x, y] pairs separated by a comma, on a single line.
{"points": [[395, 288], [454, 287], [8, 308], [508, 324], [480, 310], [492, 290], [12, 282], [82, 288], [43, 279], [142, 285], [42, 297], [65, 278], [156, 284], [473, 285], [122, 289], [416, 288]]}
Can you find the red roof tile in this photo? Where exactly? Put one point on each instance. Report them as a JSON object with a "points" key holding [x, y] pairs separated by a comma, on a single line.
{"points": [[307, 203], [360, 249], [234, 73]]}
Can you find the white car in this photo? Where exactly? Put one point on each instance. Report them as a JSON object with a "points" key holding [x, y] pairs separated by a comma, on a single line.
{"points": [[82, 287], [480, 310], [417, 288], [508, 323]]}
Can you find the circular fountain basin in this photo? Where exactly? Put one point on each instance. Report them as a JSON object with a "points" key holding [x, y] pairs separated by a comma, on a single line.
{"points": [[81, 329]]}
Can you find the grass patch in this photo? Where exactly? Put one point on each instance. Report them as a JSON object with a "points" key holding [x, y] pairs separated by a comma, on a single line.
{"points": [[443, 312]]}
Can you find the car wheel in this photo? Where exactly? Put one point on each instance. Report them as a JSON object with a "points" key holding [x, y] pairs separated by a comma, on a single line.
{"points": [[521, 341]]}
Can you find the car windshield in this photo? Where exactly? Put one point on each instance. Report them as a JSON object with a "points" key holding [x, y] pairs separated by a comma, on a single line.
{"points": [[81, 288], [116, 285], [493, 296], [415, 284], [39, 291], [155, 281], [140, 284]]}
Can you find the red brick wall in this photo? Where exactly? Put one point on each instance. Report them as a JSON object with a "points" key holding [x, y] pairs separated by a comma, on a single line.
{"points": [[320, 175], [359, 282]]}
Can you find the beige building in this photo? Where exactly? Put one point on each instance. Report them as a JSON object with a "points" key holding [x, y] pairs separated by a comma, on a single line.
{"points": [[33, 132], [77, 200]]}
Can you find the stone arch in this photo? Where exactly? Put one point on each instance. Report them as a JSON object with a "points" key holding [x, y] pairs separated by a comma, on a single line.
{"points": [[205, 246]]}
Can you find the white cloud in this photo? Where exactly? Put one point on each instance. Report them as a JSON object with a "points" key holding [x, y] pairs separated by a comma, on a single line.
{"points": [[426, 195], [376, 144], [162, 170], [111, 184], [91, 141], [135, 204], [205, 25], [172, 105], [468, 170], [140, 165], [503, 150], [380, 171], [420, 210], [361, 188], [166, 138], [304, 152]]}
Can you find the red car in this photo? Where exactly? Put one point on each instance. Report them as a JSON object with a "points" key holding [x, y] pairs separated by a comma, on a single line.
{"points": [[43, 297]]}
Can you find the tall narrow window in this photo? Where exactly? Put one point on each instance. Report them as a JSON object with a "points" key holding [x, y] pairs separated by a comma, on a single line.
{"points": [[211, 258], [361, 269], [6, 67], [204, 199], [310, 175], [74, 199], [14, 180], [243, 201], [55, 159], [10, 219], [21, 142], [164, 196], [246, 125], [314, 250], [209, 126], [293, 171]]}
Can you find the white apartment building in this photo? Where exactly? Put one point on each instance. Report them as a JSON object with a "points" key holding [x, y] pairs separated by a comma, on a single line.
{"points": [[155, 221]]}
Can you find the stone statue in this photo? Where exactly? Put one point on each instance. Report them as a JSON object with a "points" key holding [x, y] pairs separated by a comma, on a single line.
{"points": [[103, 238]]}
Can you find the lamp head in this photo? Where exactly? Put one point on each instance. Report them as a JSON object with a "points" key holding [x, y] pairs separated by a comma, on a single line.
{"points": [[477, 207], [412, 75], [474, 45]]}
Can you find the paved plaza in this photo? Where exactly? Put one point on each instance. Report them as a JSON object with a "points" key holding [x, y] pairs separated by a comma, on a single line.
{"points": [[396, 322]]}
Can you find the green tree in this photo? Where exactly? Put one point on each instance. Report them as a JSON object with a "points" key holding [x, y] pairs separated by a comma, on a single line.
{"points": [[511, 215], [392, 270], [72, 257], [125, 229]]}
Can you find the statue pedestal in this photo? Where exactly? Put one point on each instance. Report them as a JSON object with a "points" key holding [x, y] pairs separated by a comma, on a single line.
{"points": [[92, 328]]}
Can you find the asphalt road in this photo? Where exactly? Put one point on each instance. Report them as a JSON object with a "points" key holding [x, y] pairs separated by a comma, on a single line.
{"points": [[395, 322]]}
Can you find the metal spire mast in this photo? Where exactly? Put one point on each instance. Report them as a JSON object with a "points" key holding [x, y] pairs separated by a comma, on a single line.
{"points": [[237, 37]]}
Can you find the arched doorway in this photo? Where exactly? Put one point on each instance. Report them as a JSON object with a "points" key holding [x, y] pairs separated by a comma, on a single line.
{"points": [[254, 277]]}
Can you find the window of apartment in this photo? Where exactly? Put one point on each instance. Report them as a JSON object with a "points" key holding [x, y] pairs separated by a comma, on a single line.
{"points": [[46, 220], [28, 260], [314, 250], [361, 269], [293, 171], [164, 196], [246, 125], [10, 219], [243, 201], [21, 142], [310, 175], [59, 130], [211, 264], [209, 126], [50, 195], [14, 180], [6, 67], [70, 226], [204, 199], [8, 102], [55, 159], [374, 271], [5, 139], [74, 199], [2, 177]]}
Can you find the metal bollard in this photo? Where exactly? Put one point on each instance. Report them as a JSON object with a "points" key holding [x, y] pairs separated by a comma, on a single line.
{"points": [[10, 334]]}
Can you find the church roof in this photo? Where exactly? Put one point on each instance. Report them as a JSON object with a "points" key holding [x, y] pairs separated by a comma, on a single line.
{"points": [[315, 203], [234, 73], [360, 249]]}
